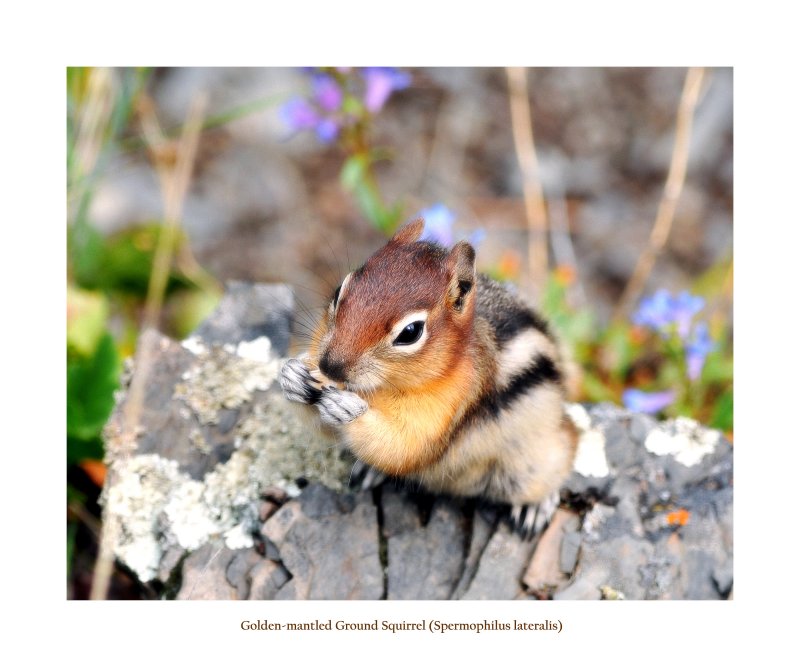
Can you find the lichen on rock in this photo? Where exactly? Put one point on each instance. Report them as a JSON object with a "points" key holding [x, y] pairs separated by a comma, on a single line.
{"points": [[223, 379]]}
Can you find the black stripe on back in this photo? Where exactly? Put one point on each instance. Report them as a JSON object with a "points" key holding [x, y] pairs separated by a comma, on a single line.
{"points": [[508, 328], [541, 371]]}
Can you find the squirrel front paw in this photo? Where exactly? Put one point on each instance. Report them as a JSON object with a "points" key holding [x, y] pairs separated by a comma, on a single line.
{"points": [[298, 384], [337, 407]]}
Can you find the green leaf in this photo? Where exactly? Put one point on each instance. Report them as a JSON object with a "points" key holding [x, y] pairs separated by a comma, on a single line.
{"points": [[186, 309], [87, 253], [718, 367], [722, 417], [81, 449], [371, 205], [91, 383], [620, 350], [597, 391], [352, 172], [87, 313]]}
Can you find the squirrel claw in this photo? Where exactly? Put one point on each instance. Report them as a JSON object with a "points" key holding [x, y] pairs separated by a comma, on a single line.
{"points": [[365, 477], [337, 408], [297, 383], [530, 520]]}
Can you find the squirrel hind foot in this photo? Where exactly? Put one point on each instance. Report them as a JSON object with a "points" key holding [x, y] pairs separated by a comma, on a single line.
{"points": [[531, 519], [364, 477]]}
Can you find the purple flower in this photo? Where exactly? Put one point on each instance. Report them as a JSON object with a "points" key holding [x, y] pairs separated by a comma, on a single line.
{"points": [[661, 310], [382, 82], [327, 130], [654, 311], [327, 92], [649, 402], [685, 307], [438, 224], [697, 350], [298, 114]]}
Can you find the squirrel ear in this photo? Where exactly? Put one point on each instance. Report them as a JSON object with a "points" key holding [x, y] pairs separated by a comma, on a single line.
{"points": [[461, 269], [409, 233]]}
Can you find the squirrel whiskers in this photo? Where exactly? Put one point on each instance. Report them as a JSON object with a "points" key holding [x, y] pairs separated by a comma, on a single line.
{"points": [[437, 374]]}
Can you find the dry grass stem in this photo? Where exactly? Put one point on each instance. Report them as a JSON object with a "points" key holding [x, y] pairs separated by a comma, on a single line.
{"points": [[174, 164], [94, 118], [672, 192], [524, 146]]}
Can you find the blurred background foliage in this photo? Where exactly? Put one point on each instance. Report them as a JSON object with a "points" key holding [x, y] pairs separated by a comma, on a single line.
{"points": [[297, 170]]}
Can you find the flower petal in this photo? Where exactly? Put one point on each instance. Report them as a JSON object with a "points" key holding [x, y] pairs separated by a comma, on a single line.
{"points": [[382, 82], [438, 224], [649, 402], [327, 92], [298, 114]]}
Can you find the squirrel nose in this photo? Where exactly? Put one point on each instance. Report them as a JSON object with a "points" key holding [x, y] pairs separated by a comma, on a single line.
{"points": [[335, 370]]}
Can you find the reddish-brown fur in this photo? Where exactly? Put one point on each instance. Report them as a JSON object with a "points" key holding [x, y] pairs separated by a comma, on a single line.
{"points": [[422, 394]]}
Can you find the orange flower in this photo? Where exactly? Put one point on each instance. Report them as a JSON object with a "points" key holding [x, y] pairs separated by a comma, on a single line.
{"points": [[564, 274], [678, 517]]}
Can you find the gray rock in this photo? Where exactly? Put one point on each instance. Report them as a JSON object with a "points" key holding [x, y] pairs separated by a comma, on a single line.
{"points": [[220, 452], [484, 521], [331, 552], [620, 450], [238, 571], [169, 562], [501, 567], [424, 562], [568, 556], [617, 562], [640, 427], [581, 589], [661, 576], [204, 574], [267, 579], [249, 311]]}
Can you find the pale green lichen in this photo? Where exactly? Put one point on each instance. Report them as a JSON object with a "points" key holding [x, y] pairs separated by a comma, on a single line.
{"points": [[142, 487], [590, 457], [158, 507], [289, 445], [684, 438], [220, 378]]}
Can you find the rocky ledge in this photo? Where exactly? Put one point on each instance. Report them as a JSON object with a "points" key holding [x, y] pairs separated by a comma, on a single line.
{"points": [[227, 493]]}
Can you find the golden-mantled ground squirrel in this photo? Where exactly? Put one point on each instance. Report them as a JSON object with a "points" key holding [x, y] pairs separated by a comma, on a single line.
{"points": [[438, 374]]}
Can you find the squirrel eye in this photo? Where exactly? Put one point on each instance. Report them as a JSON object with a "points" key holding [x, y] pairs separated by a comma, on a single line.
{"points": [[336, 296], [410, 334]]}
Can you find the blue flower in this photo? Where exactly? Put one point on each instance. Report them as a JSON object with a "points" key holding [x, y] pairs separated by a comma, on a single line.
{"points": [[685, 307], [654, 311], [327, 92], [697, 350], [661, 310], [327, 130], [438, 224], [649, 402], [382, 82], [298, 114]]}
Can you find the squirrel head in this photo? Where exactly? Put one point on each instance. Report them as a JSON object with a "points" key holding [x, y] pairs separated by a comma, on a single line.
{"points": [[402, 318]]}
